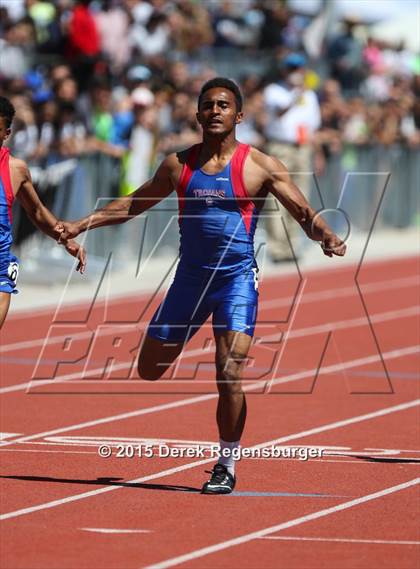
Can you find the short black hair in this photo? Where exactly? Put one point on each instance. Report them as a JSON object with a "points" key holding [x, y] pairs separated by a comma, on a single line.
{"points": [[7, 111], [226, 84]]}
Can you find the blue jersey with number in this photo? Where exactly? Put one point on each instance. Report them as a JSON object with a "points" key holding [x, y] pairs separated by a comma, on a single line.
{"points": [[217, 218]]}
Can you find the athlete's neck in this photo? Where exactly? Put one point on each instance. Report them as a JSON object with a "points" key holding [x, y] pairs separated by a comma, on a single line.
{"points": [[217, 147]]}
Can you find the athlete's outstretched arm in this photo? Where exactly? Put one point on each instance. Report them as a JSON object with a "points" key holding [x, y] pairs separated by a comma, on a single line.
{"points": [[280, 184], [40, 215], [122, 209]]}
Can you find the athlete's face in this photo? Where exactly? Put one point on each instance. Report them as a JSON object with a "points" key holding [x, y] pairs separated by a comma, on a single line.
{"points": [[217, 113], [4, 131]]}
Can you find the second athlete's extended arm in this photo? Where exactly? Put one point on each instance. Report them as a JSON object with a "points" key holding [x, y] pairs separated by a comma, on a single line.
{"points": [[40, 215], [29, 200]]}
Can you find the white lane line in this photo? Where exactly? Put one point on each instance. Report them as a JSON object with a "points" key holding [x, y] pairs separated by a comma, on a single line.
{"points": [[300, 332], [264, 305], [53, 451], [198, 553], [112, 530], [355, 322], [341, 540], [161, 474], [115, 441], [209, 396], [4, 436]]}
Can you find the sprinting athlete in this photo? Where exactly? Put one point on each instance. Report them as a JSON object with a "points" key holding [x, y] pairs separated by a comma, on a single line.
{"points": [[221, 186], [15, 181]]}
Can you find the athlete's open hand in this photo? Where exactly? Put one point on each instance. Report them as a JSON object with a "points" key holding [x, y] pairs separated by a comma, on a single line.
{"points": [[333, 245], [76, 250]]}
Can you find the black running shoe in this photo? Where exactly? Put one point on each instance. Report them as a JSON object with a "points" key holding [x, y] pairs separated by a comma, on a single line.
{"points": [[221, 481]]}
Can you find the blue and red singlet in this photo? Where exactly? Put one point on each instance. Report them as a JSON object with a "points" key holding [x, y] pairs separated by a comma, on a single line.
{"points": [[9, 264], [217, 271]]}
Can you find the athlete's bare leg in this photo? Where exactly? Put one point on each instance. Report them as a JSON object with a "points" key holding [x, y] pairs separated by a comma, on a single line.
{"points": [[156, 357], [231, 354], [4, 306]]}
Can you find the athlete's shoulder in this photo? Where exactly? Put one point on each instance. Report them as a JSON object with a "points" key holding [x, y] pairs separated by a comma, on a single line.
{"points": [[171, 167], [19, 173], [263, 170], [176, 160], [183, 155], [265, 161], [168, 169], [17, 165]]}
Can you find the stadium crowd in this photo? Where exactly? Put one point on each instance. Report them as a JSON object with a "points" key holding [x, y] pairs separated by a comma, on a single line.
{"points": [[122, 77]]}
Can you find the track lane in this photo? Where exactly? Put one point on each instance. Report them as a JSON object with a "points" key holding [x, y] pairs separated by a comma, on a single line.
{"points": [[330, 394]]}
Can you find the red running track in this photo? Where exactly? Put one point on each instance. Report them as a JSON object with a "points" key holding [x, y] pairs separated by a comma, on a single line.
{"points": [[320, 385]]}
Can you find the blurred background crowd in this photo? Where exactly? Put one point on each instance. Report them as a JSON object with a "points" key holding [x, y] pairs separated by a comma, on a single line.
{"points": [[121, 77]]}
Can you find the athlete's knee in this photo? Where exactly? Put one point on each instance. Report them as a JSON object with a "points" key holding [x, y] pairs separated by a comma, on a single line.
{"points": [[229, 372]]}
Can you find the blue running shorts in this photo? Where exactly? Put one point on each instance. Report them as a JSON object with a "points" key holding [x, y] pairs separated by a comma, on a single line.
{"points": [[193, 296]]}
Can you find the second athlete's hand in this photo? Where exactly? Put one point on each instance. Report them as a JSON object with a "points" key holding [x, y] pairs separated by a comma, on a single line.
{"points": [[333, 245], [76, 250]]}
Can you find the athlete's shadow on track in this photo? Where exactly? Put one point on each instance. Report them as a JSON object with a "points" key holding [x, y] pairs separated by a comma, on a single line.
{"points": [[107, 481], [387, 460]]}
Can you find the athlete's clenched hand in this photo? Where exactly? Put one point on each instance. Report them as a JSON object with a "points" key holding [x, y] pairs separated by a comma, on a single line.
{"points": [[67, 229]]}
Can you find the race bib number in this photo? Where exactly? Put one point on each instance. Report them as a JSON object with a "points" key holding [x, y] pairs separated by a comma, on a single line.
{"points": [[255, 271], [13, 272]]}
